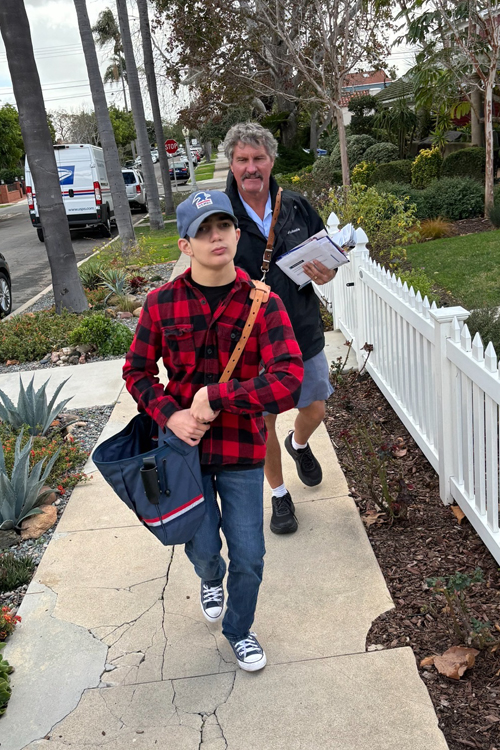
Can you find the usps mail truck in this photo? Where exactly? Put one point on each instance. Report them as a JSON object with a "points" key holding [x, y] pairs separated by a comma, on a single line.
{"points": [[84, 188]]}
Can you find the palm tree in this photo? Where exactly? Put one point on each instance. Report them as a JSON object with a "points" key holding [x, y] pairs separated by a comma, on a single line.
{"points": [[149, 66], [115, 72], [15, 29], [155, 215], [108, 143]]}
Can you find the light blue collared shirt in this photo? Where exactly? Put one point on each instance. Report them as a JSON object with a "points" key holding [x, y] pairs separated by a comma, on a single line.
{"points": [[265, 223]]}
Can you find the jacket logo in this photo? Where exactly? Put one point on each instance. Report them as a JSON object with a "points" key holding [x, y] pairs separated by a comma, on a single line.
{"points": [[292, 231], [202, 199]]}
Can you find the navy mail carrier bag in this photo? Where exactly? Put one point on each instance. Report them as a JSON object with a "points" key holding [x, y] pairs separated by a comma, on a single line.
{"points": [[157, 475]]}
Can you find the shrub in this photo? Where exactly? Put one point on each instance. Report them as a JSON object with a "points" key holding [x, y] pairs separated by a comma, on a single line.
{"points": [[125, 304], [357, 145], [494, 215], [426, 167], [8, 622], [417, 198], [15, 571], [362, 172], [381, 153], [324, 170], [5, 670], [486, 321], [31, 336], [392, 171], [388, 221], [496, 195], [435, 229], [110, 337], [468, 162], [455, 198], [9, 175], [419, 280], [291, 160]]}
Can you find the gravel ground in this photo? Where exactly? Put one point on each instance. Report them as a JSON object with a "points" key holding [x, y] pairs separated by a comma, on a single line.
{"points": [[96, 419], [47, 301]]}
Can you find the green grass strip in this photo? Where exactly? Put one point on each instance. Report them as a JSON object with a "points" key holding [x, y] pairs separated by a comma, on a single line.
{"points": [[467, 266]]}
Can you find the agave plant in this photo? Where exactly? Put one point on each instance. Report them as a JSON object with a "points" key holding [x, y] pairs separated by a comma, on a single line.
{"points": [[89, 273], [20, 494], [115, 280], [32, 408]]}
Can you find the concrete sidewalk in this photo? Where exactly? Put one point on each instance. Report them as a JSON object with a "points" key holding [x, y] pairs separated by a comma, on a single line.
{"points": [[114, 652]]}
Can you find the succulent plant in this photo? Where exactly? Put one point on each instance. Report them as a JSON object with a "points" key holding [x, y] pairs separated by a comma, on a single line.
{"points": [[5, 689], [115, 280], [32, 408], [20, 494]]}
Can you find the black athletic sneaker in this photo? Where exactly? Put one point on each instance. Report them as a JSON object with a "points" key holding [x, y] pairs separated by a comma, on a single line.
{"points": [[308, 467], [283, 520], [249, 653], [212, 601]]}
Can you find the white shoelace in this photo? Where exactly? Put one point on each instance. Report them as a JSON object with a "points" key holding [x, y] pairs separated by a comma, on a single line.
{"points": [[212, 594], [247, 645]]}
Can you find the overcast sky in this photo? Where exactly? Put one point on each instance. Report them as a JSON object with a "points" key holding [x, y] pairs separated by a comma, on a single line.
{"points": [[60, 59], [61, 64]]}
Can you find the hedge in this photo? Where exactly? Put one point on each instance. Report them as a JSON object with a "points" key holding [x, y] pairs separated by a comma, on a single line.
{"points": [[381, 153], [468, 162], [451, 198], [392, 171]]}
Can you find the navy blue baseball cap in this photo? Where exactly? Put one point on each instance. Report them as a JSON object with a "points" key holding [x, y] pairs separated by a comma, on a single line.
{"points": [[195, 209]]}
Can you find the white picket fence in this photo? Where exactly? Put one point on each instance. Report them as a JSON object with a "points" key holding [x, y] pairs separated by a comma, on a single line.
{"points": [[444, 388]]}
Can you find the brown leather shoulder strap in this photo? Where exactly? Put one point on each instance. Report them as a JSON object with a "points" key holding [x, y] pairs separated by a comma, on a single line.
{"points": [[259, 295], [270, 240]]}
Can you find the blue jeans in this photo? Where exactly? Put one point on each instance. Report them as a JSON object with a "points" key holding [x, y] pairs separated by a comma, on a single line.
{"points": [[241, 519]]}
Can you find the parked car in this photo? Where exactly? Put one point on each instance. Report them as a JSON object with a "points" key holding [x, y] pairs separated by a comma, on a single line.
{"points": [[137, 162], [5, 288], [84, 188], [195, 155], [181, 171], [136, 192]]}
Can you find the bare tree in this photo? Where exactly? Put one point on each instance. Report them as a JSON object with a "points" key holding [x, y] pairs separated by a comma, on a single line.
{"points": [[15, 29], [155, 105], [108, 143], [155, 215]]}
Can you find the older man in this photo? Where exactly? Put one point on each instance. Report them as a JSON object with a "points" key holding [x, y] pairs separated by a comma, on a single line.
{"points": [[251, 151]]}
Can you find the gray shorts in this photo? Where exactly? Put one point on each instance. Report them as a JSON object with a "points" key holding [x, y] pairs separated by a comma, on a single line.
{"points": [[316, 385]]}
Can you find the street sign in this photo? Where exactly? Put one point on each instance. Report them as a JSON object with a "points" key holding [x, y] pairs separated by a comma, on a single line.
{"points": [[171, 146]]}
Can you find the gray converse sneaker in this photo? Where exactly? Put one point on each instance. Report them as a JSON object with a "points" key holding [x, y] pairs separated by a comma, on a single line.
{"points": [[212, 601], [249, 653]]}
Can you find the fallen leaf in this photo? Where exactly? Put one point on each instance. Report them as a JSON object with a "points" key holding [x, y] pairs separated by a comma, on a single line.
{"points": [[399, 452], [458, 513], [428, 661], [371, 517], [492, 718], [497, 627], [455, 661]]}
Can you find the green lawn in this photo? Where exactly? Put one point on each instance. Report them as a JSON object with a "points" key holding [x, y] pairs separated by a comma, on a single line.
{"points": [[467, 267], [204, 172], [162, 243]]}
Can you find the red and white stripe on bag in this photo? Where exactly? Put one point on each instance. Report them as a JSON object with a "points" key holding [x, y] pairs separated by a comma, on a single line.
{"points": [[174, 513]]}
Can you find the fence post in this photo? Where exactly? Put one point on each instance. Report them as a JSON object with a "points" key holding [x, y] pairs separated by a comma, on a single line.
{"points": [[358, 257], [445, 394]]}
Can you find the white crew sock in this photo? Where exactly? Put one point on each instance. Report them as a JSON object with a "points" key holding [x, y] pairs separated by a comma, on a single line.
{"points": [[279, 491], [297, 446]]}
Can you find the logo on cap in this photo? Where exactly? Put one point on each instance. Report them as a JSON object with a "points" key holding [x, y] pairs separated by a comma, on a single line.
{"points": [[201, 200]]}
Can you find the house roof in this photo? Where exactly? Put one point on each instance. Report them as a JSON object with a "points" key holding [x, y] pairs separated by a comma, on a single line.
{"points": [[400, 89], [346, 98], [366, 79]]}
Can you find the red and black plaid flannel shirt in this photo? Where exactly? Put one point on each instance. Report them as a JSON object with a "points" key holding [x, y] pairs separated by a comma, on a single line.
{"points": [[176, 324]]}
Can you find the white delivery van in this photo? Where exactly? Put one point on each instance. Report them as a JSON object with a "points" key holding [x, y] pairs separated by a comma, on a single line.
{"points": [[84, 188]]}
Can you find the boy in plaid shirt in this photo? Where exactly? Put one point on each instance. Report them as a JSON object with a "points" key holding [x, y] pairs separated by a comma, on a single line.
{"points": [[194, 323]]}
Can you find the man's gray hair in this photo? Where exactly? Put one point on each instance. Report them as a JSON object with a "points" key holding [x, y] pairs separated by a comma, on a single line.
{"points": [[250, 134]]}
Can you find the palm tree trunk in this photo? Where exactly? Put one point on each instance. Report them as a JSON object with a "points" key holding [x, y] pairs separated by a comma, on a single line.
{"points": [[108, 143], [155, 215], [149, 66], [15, 29]]}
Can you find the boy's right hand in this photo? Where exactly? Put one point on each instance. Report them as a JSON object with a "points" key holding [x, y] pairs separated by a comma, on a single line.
{"points": [[186, 427]]}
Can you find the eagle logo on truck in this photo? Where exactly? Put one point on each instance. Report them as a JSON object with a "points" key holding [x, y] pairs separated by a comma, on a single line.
{"points": [[66, 175]]}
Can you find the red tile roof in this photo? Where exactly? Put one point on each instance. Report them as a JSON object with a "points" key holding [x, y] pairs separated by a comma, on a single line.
{"points": [[346, 98], [366, 79]]}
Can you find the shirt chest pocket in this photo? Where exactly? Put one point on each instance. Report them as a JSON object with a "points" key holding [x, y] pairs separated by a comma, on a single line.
{"points": [[180, 345], [227, 337]]}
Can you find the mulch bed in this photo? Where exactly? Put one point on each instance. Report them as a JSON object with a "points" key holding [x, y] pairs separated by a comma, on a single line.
{"points": [[471, 226], [428, 543]]}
